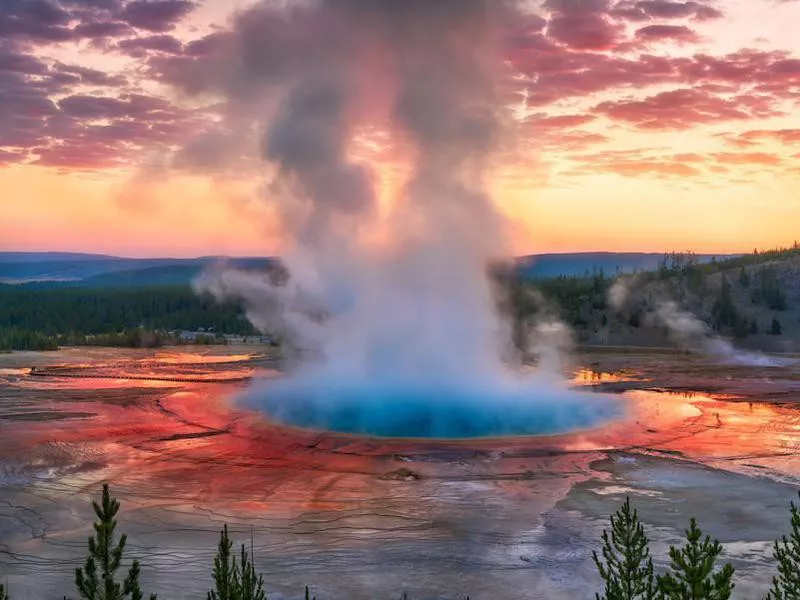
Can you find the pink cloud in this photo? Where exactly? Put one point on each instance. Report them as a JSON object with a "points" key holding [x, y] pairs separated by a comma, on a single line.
{"points": [[634, 164], [646, 10], [558, 122], [748, 158], [156, 15], [664, 33], [140, 46], [584, 25], [572, 50], [685, 108]]}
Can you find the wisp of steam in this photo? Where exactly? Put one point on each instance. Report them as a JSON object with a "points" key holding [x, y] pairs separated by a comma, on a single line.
{"points": [[391, 302], [690, 333]]}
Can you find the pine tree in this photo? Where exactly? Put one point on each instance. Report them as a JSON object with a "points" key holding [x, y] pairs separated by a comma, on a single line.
{"points": [[741, 328], [251, 585], [234, 581], [744, 277], [724, 310], [692, 575], [3, 593], [95, 581], [224, 570], [753, 328], [775, 328], [626, 566], [786, 586], [770, 290]]}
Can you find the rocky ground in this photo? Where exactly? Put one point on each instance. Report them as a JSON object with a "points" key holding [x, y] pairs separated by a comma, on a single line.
{"points": [[366, 518]]}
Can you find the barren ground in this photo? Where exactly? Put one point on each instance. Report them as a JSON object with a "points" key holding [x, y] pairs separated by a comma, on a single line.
{"points": [[504, 518]]}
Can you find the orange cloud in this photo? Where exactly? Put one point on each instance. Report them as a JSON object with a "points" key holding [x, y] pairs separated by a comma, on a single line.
{"points": [[621, 137]]}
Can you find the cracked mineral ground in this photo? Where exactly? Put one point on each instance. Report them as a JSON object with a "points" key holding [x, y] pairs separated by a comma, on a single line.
{"points": [[359, 517]]}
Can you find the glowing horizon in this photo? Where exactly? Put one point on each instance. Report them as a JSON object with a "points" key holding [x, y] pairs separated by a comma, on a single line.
{"points": [[646, 126]]}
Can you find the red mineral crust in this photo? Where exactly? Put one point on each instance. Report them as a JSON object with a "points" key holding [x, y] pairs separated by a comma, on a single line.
{"points": [[156, 424]]}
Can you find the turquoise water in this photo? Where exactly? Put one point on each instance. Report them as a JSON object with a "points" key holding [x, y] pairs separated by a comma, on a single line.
{"points": [[432, 410]]}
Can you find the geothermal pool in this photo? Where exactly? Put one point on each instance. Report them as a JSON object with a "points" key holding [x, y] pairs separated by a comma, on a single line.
{"points": [[363, 516], [443, 410]]}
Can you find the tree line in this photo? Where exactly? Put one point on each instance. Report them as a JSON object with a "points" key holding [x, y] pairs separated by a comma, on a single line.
{"points": [[694, 573], [33, 318], [582, 302], [624, 563], [681, 262], [43, 319]]}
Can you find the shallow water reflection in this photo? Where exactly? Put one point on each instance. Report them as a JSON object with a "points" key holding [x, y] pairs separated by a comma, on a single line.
{"points": [[185, 457]]}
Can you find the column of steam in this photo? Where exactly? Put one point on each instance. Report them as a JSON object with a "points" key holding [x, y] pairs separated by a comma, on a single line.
{"points": [[411, 338], [439, 62]]}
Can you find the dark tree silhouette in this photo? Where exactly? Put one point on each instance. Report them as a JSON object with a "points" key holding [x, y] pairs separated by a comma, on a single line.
{"points": [[224, 570], [775, 328], [234, 581], [626, 566], [724, 311], [753, 328], [786, 586], [41, 319], [692, 574], [251, 584], [770, 290], [96, 580], [744, 277]]}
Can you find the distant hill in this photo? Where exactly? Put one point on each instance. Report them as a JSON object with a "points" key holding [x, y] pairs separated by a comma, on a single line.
{"points": [[541, 266], [27, 257], [752, 301], [99, 270], [169, 274], [93, 270]]}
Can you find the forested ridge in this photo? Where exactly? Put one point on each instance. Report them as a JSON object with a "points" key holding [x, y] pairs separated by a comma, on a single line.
{"points": [[41, 319], [750, 295]]}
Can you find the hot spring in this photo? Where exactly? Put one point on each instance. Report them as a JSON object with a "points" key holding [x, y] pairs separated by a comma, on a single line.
{"points": [[431, 410], [393, 283]]}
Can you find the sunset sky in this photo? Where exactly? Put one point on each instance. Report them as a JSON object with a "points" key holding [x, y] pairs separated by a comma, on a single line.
{"points": [[649, 125]]}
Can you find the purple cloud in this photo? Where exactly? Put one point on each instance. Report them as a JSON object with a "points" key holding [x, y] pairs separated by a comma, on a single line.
{"points": [[156, 15], [155, 43]]}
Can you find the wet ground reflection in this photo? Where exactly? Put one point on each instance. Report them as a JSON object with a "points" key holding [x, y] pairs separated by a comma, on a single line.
{"points": [[462, 516]]}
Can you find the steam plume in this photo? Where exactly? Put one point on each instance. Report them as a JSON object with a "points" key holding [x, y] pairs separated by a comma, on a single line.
{"points": [[410, 320], [687, 331]]}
